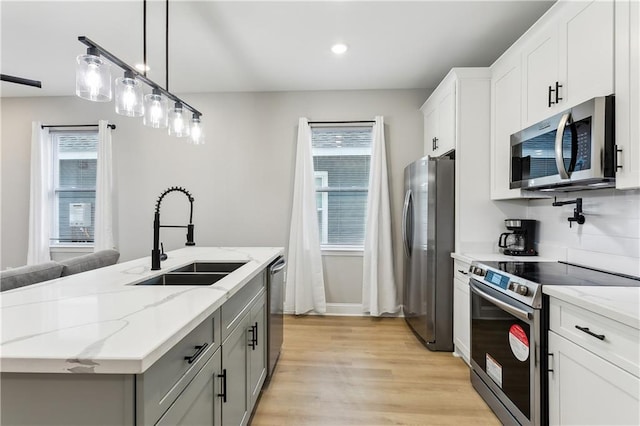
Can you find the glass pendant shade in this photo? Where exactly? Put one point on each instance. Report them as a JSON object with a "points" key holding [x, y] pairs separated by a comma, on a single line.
{"points": [[178, 121], [129, 98], [155, 110], [93, 77], [197, 132]]}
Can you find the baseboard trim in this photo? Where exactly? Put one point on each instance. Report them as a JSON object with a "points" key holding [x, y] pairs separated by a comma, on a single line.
{"points": [[344, 310]]}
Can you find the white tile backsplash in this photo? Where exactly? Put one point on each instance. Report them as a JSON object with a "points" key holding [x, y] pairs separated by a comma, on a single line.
{"points": [[610, 237]]}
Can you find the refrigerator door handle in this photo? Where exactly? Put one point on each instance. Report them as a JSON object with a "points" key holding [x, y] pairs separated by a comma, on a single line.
{"points": [[405, 223]]}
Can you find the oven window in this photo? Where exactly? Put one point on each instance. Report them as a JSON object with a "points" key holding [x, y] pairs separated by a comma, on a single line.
{"points": [[500, 345]]}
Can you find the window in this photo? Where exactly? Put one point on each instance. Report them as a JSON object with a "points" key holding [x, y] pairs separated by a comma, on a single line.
{"points": [[75, 157], [341, 160]]}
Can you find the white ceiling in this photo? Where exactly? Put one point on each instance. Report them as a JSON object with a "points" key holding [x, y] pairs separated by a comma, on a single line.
{"points": [[262, 45]]}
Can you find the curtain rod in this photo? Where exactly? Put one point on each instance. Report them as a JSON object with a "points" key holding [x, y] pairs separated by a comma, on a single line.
{"points": [[343, 122], [111, 126]]}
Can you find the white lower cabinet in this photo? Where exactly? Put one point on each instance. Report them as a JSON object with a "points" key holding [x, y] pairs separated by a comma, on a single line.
{"points": [[461, 310], [594, 371], [585, 389]]}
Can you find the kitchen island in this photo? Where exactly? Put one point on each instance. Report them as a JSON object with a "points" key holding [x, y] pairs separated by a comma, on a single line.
{"points": [[93, 347]]}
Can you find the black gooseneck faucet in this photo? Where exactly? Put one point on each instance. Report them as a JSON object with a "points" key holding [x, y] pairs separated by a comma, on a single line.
{"points": [[156, 254]]}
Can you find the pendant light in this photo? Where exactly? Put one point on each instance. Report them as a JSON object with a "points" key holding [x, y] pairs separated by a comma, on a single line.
{"points": [[197, 132], [178, 121], [93, 77], [129, 98], [93, 82], [155, 110]]}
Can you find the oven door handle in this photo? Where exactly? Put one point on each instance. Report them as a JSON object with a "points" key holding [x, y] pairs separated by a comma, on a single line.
{"points": [[516, 312]]}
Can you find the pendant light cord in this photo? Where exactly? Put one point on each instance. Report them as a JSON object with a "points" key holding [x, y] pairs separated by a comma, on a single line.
{"points": [[144, 37], [167, 45]]}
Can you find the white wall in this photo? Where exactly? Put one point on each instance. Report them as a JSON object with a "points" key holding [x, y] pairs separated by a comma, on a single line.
{"points": [[241, 179], [609, 239]]}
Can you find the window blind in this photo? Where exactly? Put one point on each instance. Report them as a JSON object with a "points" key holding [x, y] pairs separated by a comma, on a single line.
{"points": [[341, 160], [74, 168]]}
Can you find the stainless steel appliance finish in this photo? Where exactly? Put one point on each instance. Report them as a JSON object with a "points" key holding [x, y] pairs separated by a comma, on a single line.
{"points": [[275, 313], [509, 322], [571, 151], [428, 239]]}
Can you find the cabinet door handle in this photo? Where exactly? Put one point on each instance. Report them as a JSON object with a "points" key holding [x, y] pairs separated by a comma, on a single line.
{"points": [[223, 376], [462, 272], [590, 333], [618, 151], [436, 142], [557, 94], [558, 86], [199, 350], [550, 366], [255, 333], [252, 341]]}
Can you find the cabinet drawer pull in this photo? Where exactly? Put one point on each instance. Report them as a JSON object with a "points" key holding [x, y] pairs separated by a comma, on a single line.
{"points": [[199, 350], [223, 376], [462, 272], [590, 333]]}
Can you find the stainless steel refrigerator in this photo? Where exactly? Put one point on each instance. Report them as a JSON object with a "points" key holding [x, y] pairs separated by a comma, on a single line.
{"points": [[428, 240]]}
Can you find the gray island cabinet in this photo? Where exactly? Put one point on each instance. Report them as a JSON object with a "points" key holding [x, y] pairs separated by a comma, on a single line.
{"points": [[211, 376]]}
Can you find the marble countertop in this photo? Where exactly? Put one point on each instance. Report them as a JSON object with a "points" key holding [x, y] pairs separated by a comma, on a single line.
{"points": [[621, 304], [97, 322]]}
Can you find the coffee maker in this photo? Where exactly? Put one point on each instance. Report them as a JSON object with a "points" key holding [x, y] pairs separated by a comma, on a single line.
{"points": [[519, 242]]}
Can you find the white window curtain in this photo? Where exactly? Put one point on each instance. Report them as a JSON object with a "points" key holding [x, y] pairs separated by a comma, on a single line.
{"points": [[305, 282], [103, 231], [379, 292], [40, 195]]}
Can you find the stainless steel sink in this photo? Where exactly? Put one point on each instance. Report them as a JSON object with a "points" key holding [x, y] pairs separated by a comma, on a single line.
{"points": [[186, 278], [225, 267]]}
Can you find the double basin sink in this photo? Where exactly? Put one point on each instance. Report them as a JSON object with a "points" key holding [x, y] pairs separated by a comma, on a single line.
{"points": [[197, 273]]}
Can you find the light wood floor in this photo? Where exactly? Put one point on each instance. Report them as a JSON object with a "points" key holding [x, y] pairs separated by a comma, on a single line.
{"points": [[363, 371]]}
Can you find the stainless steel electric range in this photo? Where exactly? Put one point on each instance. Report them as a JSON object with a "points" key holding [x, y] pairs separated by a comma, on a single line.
{"points": [[509, 323]]}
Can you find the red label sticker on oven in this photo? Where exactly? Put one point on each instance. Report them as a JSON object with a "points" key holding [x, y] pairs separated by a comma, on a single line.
{"points": [[519, 342]]}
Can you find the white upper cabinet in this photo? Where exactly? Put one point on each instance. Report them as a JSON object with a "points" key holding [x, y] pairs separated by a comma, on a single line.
{"points": [[586, 58], [440, 119], [506, 101], [540, 75], [568, 59], [627, 83]]}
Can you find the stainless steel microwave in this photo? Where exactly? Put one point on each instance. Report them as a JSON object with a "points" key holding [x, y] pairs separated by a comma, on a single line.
{"points": [[571, 151]]}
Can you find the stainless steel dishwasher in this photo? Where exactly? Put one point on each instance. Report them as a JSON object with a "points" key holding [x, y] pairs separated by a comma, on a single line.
{"points": [[275, 306]]}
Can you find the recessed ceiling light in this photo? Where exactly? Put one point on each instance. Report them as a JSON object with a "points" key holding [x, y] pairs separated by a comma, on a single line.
{"points": [[339, 48], [142, 67]]}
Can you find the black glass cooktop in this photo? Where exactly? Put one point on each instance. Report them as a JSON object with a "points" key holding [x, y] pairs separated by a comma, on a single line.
{"points": [[559, 273]]}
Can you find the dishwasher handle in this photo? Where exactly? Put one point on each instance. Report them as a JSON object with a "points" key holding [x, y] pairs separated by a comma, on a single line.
{"points": [[278, 266]]}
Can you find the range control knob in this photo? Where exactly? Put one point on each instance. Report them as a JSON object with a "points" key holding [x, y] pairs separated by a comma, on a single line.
{"points": [[521, 289], [479, 271]]}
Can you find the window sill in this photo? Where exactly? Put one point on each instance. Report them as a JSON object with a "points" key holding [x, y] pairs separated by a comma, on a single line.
{"points": [[356, 251], [71, 248]]}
